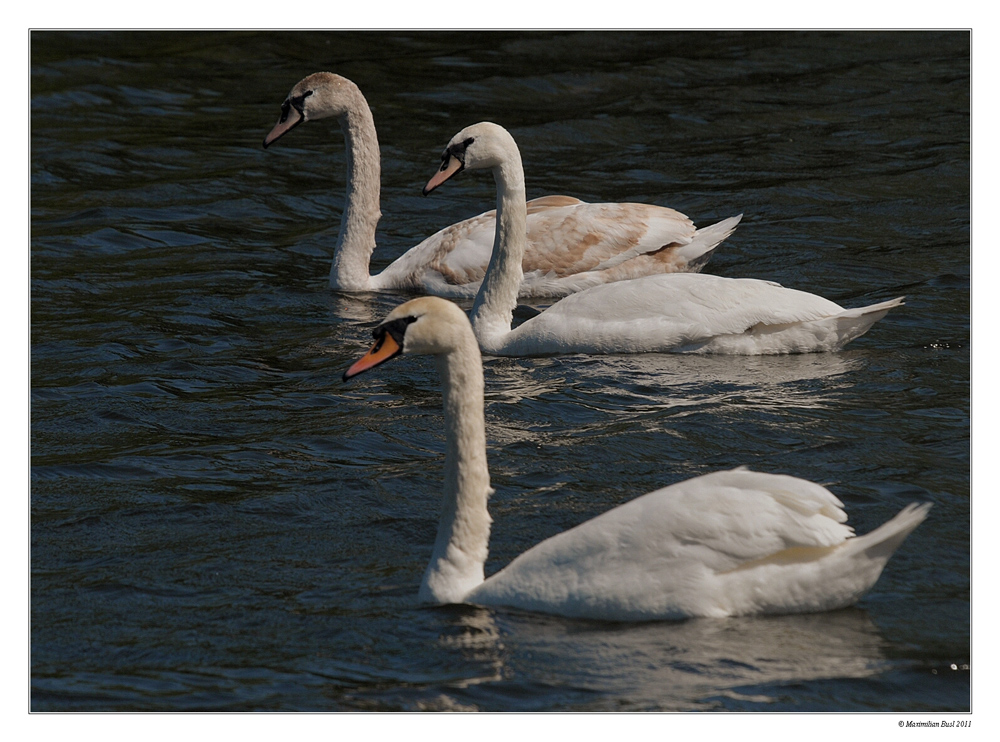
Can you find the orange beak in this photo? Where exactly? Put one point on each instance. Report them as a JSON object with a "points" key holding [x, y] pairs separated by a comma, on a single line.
{"points": [[384, 349], [448, 168]]}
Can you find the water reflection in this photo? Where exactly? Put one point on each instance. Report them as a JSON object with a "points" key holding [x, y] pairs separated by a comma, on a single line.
{"points": [[652, 378], [362, 309], [673, 666], [475, 634], [186, 351], [640, 381], [607, 397]]}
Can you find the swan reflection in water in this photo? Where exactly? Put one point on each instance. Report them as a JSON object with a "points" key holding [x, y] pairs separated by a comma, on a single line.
{"points": [[658, 378], [697, 664], [352, 310], [646, 393], [633, 381]]}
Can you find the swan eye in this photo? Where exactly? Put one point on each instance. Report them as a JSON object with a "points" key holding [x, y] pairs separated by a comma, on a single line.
{"points": [[298, 102], [379, 334], [396, 328], [285, 108], [457, 151]]}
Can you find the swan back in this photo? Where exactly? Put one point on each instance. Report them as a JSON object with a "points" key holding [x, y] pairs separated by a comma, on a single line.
{"points": [[728, 543], [658, 556]]}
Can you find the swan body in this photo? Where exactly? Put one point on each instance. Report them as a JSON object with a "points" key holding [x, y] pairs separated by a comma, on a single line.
{"points": [[724, 544], [669, 312], [571, 244]]}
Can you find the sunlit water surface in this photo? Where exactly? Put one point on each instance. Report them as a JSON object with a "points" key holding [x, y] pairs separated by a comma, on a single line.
{"points": [[218, 523]]}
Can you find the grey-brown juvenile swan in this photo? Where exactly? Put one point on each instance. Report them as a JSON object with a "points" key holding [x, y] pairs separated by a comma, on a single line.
{"points": [[571, 245]]}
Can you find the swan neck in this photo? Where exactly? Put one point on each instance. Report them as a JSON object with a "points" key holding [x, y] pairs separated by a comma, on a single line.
{"points": [[493, 310], [462, 544], [356, 240]]}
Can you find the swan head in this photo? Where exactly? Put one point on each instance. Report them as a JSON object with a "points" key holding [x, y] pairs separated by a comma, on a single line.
{"points": [[319, 96], [425, 326], [481, 146]]}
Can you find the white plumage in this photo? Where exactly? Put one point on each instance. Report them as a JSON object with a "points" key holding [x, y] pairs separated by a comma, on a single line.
{"points": [[674, 312], [723, 544], [571, 245]]}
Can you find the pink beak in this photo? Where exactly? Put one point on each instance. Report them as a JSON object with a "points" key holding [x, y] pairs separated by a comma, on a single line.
{"points": [[293, 119], [448, 168]]}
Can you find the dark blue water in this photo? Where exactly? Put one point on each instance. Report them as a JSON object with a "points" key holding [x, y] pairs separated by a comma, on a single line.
{"points": [[218, 523]]}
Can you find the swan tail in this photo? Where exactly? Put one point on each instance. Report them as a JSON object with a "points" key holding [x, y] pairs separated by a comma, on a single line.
{"points": [[880, 309], [699, 250], [879, 545], [831, 577], [853, 323]]}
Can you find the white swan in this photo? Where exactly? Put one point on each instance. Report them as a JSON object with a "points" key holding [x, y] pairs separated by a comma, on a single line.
{"points": [[571, 244], [677, 312], [724, 544]]}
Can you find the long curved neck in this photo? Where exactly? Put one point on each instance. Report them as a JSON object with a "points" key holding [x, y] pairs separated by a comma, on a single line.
{"points": [[361, 208], [462, 544], [493, 310]]}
